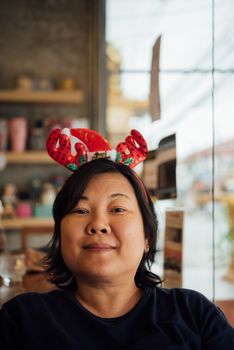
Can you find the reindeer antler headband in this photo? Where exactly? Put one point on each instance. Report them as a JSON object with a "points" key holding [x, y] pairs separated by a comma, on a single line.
{"points": [[74, 147]]}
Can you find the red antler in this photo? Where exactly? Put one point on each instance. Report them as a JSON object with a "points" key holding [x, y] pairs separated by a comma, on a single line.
{"points": [[59, 148], [133, 150], [74, 147]]}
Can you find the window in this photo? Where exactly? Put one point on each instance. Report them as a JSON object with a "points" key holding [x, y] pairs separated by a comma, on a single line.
{"points": [[185, 85]]}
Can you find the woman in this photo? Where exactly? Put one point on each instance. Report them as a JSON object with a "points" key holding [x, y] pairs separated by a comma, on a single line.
{"points": [[103, 245]]}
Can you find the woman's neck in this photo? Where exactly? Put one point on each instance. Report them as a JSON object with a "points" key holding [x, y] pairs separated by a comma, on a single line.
{"points": [[108, 301]]}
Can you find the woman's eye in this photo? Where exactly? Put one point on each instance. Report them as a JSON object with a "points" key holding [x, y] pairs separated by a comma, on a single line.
{"points": [[118, 210], [80, 211]]}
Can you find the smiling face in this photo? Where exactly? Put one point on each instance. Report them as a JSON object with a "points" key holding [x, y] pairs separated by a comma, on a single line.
{"points": [[102, 238]]}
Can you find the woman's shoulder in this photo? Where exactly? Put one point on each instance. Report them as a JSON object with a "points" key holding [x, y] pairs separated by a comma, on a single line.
{"points": [[181, 294], [192, 312], [187, 303], [176, 300], [34, 299]]}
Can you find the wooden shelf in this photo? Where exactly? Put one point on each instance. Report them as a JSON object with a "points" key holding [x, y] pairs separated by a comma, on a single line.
{"points": [[60, 97], [28, 157], [18, 223]]}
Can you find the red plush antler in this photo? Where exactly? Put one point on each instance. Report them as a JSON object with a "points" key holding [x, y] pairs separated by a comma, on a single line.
{"points": [[74, 147], [133, 150], [59, 148]]}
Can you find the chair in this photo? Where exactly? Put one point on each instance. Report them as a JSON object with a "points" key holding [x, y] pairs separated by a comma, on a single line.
{"points": [[227, 307]]}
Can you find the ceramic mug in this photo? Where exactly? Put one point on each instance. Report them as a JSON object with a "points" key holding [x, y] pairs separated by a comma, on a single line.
{"points": [[18, 133]]}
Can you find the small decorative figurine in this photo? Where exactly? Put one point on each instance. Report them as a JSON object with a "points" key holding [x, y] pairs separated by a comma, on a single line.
{"points": [[9, 200]]}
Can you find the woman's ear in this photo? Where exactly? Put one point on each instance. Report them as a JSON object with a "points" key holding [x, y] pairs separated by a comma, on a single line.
{"points": [[146, 246]]}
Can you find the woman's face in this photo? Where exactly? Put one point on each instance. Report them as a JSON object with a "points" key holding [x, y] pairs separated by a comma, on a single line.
{"points": [[102, 238]]}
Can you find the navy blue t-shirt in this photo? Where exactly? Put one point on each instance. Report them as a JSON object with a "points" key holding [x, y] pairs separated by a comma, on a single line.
{"points": [[164, 319]]}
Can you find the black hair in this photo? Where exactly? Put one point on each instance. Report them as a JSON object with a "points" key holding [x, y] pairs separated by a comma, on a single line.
{"points": [[67, 199]]}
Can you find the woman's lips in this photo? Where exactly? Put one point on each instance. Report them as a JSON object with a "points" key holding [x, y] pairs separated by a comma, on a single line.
{"points": [[98, 247]]}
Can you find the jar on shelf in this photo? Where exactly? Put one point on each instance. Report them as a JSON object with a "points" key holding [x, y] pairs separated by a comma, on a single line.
{"points": [[24, 206], [48, 194]]}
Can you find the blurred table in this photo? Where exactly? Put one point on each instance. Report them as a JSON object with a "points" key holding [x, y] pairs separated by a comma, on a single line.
{"points": [[32, 282], [19, 223]]}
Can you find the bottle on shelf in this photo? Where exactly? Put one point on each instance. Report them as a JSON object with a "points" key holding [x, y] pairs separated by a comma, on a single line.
{"points": [[3, 134], [37, 139]]}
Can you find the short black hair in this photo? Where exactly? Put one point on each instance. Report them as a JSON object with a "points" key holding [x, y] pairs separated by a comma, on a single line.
{"points": [[67, 199]]}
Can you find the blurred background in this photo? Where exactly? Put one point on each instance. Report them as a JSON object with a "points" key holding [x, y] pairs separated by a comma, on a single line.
{"points": [[88, 63]]}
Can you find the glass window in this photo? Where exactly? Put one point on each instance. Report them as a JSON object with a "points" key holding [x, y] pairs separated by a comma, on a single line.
{"points": [[185, 87]]}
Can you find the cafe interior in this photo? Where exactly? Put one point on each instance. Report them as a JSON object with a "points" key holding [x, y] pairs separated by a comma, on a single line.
{"points": [[164, 68]]}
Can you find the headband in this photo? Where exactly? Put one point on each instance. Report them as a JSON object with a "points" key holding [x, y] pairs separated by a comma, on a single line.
{"points": [[74, 147]]}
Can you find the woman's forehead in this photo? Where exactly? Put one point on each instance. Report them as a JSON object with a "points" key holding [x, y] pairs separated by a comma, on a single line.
{"points": [[110, 183]]}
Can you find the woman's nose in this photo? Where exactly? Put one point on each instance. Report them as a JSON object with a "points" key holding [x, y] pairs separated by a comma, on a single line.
{"points": [[97, 226]]}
